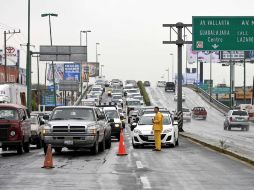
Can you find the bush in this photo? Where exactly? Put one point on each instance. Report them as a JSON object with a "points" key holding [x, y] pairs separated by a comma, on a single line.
{"points": [[144, 93]]}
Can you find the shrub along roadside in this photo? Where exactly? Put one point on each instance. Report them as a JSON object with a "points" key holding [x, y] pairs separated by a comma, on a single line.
{"points": [[144, 93]]}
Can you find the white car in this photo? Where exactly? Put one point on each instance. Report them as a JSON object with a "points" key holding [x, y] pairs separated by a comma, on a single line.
{"points": [[186, 114], [176, 97], [143, 133], [139, 97]]}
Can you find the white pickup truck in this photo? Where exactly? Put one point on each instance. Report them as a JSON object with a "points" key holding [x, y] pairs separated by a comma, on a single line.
{"points": [[77, 127]]}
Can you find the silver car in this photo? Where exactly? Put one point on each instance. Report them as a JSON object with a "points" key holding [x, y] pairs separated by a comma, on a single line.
{"points": [[236, 119]]}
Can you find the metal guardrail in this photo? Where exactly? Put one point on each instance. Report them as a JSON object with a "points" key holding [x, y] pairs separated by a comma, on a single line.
{"points": [[82, 95], [209, 99]]}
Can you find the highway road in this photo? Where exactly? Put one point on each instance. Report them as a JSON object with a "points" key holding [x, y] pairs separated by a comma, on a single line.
{"points": [[211, 128], [187, 167]]}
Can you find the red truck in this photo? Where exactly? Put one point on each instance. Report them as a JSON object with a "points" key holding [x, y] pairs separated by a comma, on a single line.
{"points": [[15, 128], [199, 113]]}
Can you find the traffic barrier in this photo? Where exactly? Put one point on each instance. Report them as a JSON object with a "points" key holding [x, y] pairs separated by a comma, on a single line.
{"points": [[121, 149], [48, 162], [180, 121]]}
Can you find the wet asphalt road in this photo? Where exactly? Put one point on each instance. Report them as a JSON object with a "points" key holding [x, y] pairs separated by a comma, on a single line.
{"points": [[189, 166]]}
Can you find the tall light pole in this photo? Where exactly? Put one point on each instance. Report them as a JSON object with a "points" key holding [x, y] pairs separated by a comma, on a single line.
{"points": [[52, 63], [172, 58], [97, 51], [81, 69], [28, 65], [186, 57], [101, 69], [168, 73]]}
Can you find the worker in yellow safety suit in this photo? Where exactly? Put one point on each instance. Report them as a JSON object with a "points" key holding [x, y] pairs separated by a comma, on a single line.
{"points": [[157, 128]]}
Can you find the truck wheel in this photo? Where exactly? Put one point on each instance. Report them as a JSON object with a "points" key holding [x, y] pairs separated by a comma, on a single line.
{"points": [[58, 150], [95, 148], [102, 145], [19, 149], [108, 143], [26, 147]]}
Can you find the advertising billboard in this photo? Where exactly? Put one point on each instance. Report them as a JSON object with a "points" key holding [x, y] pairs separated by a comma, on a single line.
{"points": [[59, 72], [203, 56], [72, 71], [12, 54]]}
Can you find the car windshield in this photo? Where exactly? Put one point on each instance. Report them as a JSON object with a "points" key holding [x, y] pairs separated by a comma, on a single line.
{"points": [[138, 97], [8, 114], [242, 113], [117, 97], [111, 114], [73, 113], [132, 91], [147, 120], [133, 103], [96, 89], [34, 120]]}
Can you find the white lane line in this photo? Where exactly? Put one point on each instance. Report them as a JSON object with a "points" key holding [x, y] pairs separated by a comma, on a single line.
{"points": [[145, 182], [139, 165]]}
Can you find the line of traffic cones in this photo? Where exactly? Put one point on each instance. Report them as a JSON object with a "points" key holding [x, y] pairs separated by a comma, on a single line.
{"points": [[48, 162], [121, 149]]}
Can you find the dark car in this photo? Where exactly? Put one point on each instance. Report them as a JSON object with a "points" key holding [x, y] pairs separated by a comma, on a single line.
{"points": [[170, 86], [15, 128], [147, 83]]}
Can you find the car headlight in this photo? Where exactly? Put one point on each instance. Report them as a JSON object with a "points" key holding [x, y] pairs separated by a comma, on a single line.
{"points": [[12, 133], [117, 125], [46, 129], [92, 130], [137, 131], [167, 131]]}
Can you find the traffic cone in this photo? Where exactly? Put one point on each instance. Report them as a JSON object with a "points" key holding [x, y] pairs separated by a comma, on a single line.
{"points": [[121, 149], [48, 162]]}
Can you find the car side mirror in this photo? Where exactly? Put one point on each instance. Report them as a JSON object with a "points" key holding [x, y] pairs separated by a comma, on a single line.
{"points": [[42, 122], [24, 118], [46, 117], [121, 117], [111, 120]]}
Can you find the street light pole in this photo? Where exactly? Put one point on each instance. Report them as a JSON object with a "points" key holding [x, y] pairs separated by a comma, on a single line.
{"points": [[97, 51], [81, 73], [52, 63], [101, 69]]}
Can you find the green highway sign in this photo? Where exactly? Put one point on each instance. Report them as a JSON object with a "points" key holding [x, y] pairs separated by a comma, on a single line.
{"points": [[225, 90], [222, 33]]}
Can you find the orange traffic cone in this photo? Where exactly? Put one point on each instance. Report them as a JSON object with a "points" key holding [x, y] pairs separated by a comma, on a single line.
{"points": [[121, 149], [48, 162]]}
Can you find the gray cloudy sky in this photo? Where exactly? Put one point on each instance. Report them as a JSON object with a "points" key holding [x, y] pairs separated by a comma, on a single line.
{"points": [[130, 31]]}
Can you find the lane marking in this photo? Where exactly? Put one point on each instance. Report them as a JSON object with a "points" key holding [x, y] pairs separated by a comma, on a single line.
{"points": [[139, 165], [145, 182]]}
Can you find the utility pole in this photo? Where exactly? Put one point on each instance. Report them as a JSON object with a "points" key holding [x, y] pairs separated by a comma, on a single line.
{"points": [[28, 65], [5, 53], [180, 30]]}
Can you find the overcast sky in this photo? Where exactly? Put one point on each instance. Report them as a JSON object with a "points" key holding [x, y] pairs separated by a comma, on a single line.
{"points": [[130, 32]]}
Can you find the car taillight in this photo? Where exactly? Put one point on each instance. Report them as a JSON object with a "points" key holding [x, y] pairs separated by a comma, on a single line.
{"points": [[231, 119]]}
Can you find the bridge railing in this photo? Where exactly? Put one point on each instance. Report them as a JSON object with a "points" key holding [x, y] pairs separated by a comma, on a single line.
{"points": [[210, 99]]}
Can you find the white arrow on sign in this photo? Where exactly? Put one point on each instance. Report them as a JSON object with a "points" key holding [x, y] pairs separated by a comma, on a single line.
{"points": [[215, 46]]}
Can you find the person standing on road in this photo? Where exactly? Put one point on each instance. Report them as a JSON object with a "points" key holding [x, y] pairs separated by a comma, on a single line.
{"points": [[157, 128]]}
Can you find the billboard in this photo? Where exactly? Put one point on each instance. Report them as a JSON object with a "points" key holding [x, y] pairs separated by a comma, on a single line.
{"points": [[12, 56], [92, 68], [59, 72], [203, 56], [72, 71]]}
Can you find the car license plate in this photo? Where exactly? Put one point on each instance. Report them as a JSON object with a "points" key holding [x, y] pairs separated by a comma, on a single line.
{"points": [[68, 142], [150, 138]]}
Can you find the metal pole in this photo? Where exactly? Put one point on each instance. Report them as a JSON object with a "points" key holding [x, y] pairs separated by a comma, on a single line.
{"points": [[28, 65], [52, 63], [179, 77], [244, 79], [186, 59], [38, 81], [197, 66], [81, 78], [211, 77], [230, 79], [5, 58]]}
